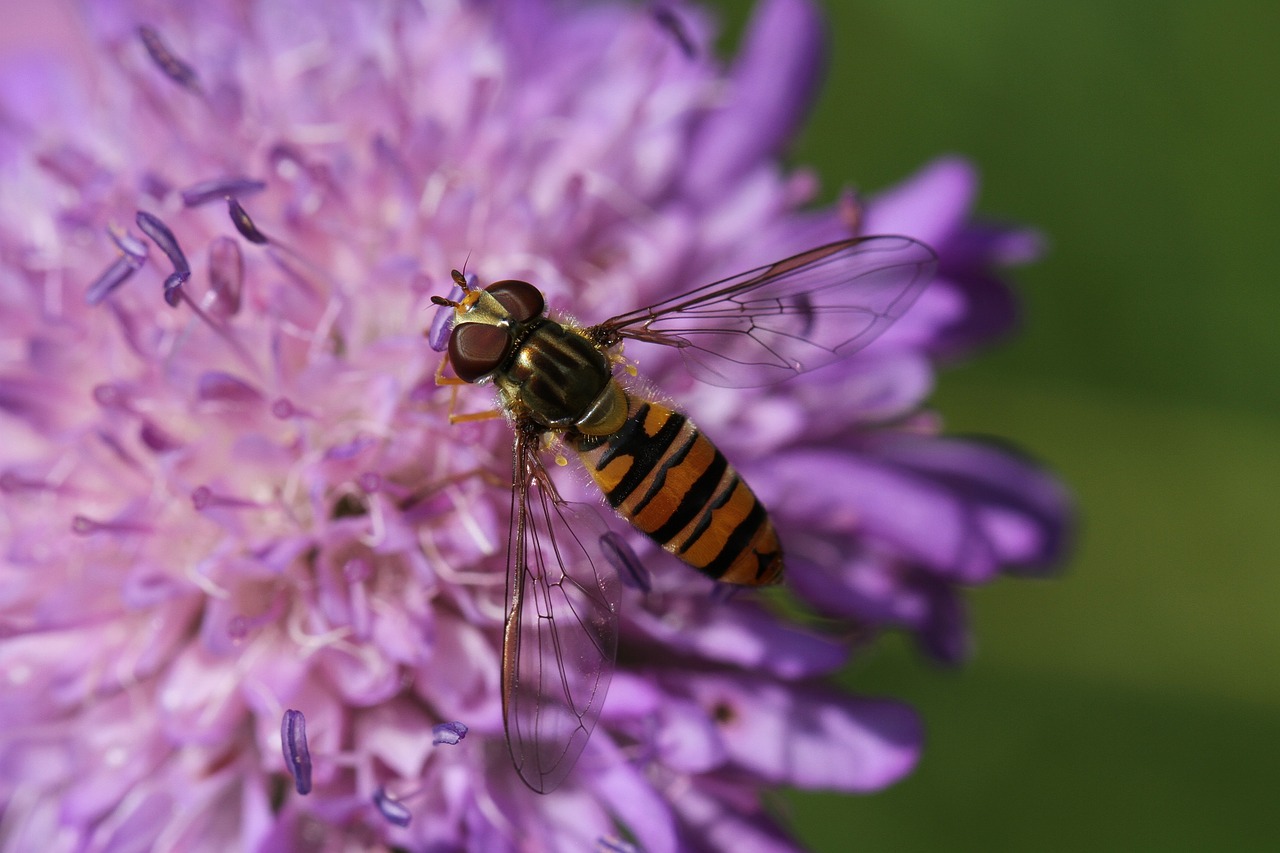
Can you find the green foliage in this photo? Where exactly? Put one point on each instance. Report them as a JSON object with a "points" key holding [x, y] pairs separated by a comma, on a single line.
{"points": [[1132, 703]]}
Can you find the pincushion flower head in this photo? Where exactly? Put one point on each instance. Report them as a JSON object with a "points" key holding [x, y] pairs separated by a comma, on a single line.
{"points": [[253, 578]]}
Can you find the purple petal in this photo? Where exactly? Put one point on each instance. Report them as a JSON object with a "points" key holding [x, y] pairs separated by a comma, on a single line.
{"points": [[1021, 509], [811, 736], [742, 636], [723, 817], [773, 84], [930, 206]]}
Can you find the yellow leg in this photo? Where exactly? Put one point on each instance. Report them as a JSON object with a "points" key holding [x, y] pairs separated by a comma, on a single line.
{"points": [[470, 417]]}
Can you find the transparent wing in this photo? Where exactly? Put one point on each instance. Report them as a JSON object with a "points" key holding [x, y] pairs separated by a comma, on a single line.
{"points": [[772, 323], [561, 633]]}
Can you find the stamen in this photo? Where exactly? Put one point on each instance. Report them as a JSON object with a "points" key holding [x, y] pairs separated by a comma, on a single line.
{"points": [[82, 525], [173, 67], [163, 237], [240, 218], [216, 386], [630, 570], [614, 844], [172, 285], [448, 733], [71, 166], [297, 756], [392, 810], [214, 189], [226, 277], [202, 498], [12, 481], [120, 270], [128, 244]]}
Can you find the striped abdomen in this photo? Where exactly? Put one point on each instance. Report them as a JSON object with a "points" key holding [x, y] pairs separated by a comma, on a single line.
{"points": [[665, 477]]}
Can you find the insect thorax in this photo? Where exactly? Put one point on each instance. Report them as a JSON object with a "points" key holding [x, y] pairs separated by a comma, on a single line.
{"points": [[555, 376]]}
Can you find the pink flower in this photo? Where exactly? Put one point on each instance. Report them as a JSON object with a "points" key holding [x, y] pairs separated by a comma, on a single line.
{"points": [[230, 490]]}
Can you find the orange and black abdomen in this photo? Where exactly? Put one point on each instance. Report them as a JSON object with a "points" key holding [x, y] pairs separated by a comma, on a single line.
{"points": [[665, 477]]}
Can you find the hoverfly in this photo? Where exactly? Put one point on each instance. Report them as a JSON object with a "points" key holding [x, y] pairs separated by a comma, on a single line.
{"points": [[655, 468]]}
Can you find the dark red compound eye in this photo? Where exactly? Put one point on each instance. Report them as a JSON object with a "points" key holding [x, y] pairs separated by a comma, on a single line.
{"points": [[521, 299], [476, 349]]}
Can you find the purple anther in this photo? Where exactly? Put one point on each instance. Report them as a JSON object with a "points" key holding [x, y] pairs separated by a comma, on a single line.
{"points": [[449, 733], [173, 288], [442, 322], [216, 189], [297, 756], [393, 810], [240, 218], [129, 245], [112, 277], [163, 237], [630, 570], [173, 67]]}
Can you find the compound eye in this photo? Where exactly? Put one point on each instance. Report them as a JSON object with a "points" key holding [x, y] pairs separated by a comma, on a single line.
{"points": [[522, 300], [476, 349]]}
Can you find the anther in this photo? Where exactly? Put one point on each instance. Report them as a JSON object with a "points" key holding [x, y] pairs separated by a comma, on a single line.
{"points": [[214, 189], [120, 271], [163, 237], [297, 755], [393, 811], [173, 67], [448, 733], [240, 218]]}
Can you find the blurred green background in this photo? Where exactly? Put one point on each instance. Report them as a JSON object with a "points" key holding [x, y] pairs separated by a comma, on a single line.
{"points": [[1134, 702]]}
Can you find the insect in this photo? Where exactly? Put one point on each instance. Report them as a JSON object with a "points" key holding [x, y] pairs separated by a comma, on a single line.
{"points": [[655, 468]]}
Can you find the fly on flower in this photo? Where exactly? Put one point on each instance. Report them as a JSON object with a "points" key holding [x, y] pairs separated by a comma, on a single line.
{"points": [[656, 469]]}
